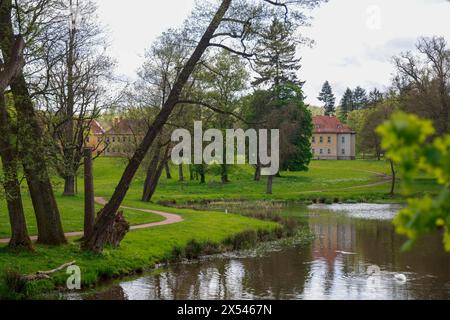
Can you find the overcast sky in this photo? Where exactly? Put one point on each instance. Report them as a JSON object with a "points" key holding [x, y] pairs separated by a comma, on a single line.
{"points": [[354, 39]]}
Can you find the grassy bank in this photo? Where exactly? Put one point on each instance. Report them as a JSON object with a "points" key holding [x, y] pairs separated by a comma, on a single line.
{"points": [[326, 181], [140, 250]]}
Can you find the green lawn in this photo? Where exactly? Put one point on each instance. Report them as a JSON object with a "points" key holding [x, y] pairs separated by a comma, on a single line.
{"points": [[71, 214], [325, 179], [141, 249]]}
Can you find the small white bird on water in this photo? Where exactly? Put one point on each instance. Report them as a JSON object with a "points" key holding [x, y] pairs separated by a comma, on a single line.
{"points": [[400, 277]]}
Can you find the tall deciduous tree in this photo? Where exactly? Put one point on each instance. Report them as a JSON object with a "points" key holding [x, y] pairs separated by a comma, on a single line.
{"points": [[220, 82], [328, 99], [283, 108], [423, 81], [27, 17], [8, 152], [78, 74]]}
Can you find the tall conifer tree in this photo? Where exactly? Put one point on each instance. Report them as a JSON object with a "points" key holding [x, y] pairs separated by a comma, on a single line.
{"points": [[328, 99], [276, 61]]}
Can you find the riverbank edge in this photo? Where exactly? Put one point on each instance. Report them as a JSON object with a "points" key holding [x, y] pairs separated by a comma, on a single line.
{"points": [[383, 199], [277, 230], [302, 238]]}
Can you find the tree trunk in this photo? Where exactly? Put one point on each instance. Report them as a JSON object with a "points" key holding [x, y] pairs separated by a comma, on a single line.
{"points": [[258, 173], [155, 181], [19, 232], [117, 231], [394, 178], [191, 173], [224, 174], [69, 186], [106, 217], [181, 173], [50, 231], [68, 118], [154, 175], [270, 184], [151, 173], [167, 168], [89, 197], [202, 178]]}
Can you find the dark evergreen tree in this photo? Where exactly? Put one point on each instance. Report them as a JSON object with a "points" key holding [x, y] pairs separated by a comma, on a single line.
{"points": [[375, 97], [276, 61], [328, 99], [296, 128], [360, 100], [347, 104]]}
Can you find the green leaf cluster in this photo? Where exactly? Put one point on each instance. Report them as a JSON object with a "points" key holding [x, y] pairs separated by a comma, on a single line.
{"points": [[410, 144]]}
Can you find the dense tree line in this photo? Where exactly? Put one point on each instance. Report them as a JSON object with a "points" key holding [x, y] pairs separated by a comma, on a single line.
{"points": [[421, 86], [55, 76]]}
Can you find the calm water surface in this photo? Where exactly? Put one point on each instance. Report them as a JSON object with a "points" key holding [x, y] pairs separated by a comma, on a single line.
{"points": [[351, 242]]}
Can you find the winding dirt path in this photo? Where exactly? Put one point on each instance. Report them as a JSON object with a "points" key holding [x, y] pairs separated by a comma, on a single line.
{"points": [[170, 218], [385, 180]]}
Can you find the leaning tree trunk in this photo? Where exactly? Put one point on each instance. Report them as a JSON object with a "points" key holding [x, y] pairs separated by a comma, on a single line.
{"points": [[151, 173], [106, 217], [154, 175], [31, 152], [19, 232], [155, 181]]}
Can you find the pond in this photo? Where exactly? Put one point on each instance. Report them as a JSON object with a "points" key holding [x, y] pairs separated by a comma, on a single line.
{"points": [[355, 255]]}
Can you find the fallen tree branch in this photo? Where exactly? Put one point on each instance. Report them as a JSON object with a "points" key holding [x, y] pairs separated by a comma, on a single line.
{"points": [[40, 275]]}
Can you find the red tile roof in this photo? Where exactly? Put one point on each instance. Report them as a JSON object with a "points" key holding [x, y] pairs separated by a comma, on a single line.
{"points": [[96, 128], [126, 126], [327, 124]]}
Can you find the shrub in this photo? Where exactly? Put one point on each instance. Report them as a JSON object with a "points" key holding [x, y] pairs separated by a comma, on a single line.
{"points": [[242, 240], [15, 282], [193, 250]]}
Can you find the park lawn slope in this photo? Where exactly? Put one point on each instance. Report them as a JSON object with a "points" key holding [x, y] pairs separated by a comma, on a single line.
{"points": [[360, 180], [72, 215], [140, 249]]}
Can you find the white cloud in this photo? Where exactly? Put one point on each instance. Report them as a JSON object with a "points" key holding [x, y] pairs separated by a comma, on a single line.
{"points": [[134, 24], [350, 51], [353, 46]]}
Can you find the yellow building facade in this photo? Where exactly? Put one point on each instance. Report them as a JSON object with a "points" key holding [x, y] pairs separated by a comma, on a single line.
{"points": [[332, 140]]}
